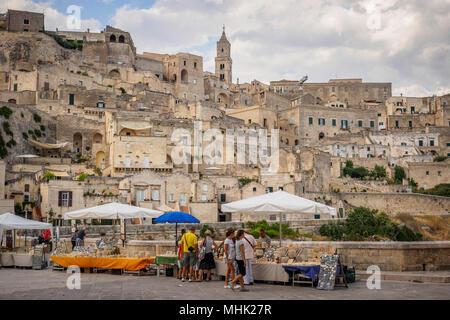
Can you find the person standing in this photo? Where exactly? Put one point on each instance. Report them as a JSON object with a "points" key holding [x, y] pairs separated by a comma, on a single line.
{"points": [[189, 242], [230, 256], [240, 261], [207, 263], [249, 246], [180, 255], [80, 238], [74, 237], [263, 237]]}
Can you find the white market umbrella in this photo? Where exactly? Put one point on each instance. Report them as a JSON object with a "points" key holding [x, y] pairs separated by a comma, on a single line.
{"points": [[10, 221], [277, 202], [113, 210]]}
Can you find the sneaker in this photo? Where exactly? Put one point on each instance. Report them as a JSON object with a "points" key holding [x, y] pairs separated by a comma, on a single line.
{"points": [[227, 287], [190, 279], [236, 287], [183, 280], [244, 290]]}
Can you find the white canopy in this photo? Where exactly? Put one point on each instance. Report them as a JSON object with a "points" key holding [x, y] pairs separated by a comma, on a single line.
{"points": [[113, 210], [11, 221], [277, 202]]}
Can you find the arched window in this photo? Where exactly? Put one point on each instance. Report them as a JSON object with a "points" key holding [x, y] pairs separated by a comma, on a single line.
{"points": [[121, 39], [112, 38], [184, 75]]}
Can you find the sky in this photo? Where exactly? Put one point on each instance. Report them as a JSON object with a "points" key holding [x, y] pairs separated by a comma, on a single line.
{"points": [[406, 42]]}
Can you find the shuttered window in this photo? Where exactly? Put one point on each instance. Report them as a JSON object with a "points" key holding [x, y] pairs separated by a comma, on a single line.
{"points": [[65, 199]]}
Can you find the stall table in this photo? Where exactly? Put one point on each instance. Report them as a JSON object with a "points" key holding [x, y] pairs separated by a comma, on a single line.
{"points": [[129, 264], [261, 271], [166, 260], [308, 271]]}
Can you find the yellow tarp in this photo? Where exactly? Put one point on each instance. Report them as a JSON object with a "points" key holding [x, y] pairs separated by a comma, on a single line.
{"points": [[129, 264]]}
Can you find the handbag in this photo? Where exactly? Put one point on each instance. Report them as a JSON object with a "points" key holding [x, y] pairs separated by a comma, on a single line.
{"points": [[202, 253]]}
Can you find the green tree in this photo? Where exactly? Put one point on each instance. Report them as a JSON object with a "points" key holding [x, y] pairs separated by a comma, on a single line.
{"points": [[399, 174]]}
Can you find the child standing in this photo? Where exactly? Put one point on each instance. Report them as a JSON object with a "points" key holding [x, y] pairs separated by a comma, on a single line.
{"points": [[240, 261]]}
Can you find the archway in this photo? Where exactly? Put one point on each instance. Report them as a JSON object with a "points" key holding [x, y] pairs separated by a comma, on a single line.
{"points": [[174, 78], [77, 142], [121, 39], [321, 135], [115, 74], [223, 98], [184, 75], [127, 132], [12, 101], [98, 138], [112, 38], [100, 160]]}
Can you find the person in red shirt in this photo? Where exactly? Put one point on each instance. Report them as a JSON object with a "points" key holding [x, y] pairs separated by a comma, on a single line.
{"points": [[47, 235]]}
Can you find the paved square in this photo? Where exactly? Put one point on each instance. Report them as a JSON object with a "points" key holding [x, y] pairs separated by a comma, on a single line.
{"points": [[48, 284]]}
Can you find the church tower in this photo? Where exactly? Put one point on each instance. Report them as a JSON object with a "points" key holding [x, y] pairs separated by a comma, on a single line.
{"points": [[223, 59]]}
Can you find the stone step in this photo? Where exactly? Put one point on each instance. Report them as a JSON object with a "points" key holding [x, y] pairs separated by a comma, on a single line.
{"points": [[426, 276]]}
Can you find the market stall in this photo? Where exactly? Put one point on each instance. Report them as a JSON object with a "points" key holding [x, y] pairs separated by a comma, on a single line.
{"points": [[280, 203], [20, 257], [105, 253], [173, 217], [261, 271]]}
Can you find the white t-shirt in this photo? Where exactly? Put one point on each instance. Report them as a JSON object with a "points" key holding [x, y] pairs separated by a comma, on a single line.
{"points": [[230, 248], [248, 245]]}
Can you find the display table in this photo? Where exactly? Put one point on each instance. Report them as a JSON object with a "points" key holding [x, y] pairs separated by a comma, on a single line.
{"points": [[129, 264], [23, 260], [261, 271], [308, 271], [166, 260], [7, 259]]}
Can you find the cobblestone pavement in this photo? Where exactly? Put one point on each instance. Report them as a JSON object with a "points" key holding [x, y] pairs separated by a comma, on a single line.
{"points": [[48, 284]]}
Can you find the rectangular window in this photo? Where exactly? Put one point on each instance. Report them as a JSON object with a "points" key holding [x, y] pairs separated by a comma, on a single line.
{"points": [[317, 216], [26, 21], [26, 197], [203, 197], [146, 162], [15, 86], [431, 143], [205, 187], [321, 121], [360, 123], [140, 195], [410, 124], [183, 199], [344, 124], [448, 144], [223, 197], [65, 198], [310, 120], [171, 197], [71, 99], [155, 195], [420, 143], [333, 122], [27, 188], [127, 162], [97, 58], [396, 123], [372, 124], [413, 109], [270, 189]]}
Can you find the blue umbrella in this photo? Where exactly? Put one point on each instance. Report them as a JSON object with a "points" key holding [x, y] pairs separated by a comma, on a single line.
{"points": [[176, 217]]}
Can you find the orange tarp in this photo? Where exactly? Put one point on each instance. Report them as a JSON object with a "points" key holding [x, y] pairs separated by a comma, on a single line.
{"points": [[129, 264]]}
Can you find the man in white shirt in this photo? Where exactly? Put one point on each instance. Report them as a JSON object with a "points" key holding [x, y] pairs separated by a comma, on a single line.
{"points": [[249, 245]]}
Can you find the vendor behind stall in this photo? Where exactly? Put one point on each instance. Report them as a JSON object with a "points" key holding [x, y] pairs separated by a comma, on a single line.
{"points": [[263, 237]]}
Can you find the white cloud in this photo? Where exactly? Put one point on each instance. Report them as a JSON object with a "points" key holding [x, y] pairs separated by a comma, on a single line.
{"points": [[288, 38]]}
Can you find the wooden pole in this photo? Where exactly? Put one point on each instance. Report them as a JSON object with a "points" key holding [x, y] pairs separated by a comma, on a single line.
{"points": [[280, 228]]}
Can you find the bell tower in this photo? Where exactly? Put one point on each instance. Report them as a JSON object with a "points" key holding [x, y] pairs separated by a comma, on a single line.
{"points": [[223, 59]]}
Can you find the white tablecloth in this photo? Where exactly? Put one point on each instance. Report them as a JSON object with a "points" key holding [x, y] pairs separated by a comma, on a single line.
{"points": [[23, 260], [7, 259], [261, 271]]}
